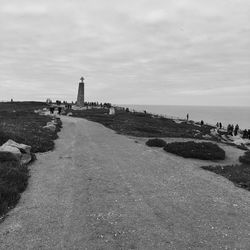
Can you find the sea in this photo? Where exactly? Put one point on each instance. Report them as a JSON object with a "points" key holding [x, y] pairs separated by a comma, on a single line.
{"points": [[209, 114]]}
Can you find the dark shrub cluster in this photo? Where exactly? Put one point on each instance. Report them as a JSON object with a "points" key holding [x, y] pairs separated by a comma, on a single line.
{"points": [[13, 181], [156, 143], [245, 158], [238, 174], [191, 149]]}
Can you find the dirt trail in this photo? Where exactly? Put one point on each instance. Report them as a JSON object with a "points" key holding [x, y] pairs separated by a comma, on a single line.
{"points": [[100, 190]]}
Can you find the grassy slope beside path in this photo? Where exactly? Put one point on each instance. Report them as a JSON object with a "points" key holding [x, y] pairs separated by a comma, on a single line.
{"points": [[19, 123], [238, 174], [143, 125]]}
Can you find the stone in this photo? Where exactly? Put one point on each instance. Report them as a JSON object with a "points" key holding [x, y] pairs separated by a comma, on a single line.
{"points": [[22, 147], [112, 111], [25, 159], [51, 127], [13, 150], [69, 114]]}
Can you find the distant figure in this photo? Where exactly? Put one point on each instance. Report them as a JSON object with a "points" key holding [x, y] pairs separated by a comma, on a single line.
{"points": [[59, 110], [11, 100], [217, 124], [145, 112], [187, 116], [51, 109], [220, 125], [245, 134], [230, 129], [127, 109], [236, 129], [202, 122]]}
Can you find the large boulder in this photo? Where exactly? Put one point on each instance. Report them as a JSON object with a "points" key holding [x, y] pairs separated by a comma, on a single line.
{"points": [[12, 150], [22, 147]]}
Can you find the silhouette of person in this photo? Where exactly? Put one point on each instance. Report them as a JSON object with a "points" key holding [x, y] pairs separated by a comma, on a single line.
{"points": [[59, 110]]}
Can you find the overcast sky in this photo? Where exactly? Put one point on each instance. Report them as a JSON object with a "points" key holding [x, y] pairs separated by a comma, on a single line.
{"points": [[189, 52]]}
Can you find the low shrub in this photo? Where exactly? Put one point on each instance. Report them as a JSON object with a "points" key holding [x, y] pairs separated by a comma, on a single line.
{"points": [[191, 149], [13, 181], [156, 143], [238, 174], [245, 158], [7, 156]]}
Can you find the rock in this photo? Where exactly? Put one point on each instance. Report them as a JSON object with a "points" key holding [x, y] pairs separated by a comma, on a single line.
{"points": [[22, 147], [207, 136], [13, 150], [69, 114], [51, 127], [25, 159], [112, 111]]}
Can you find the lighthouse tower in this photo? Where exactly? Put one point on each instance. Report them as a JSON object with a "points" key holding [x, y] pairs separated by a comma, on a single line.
{"points": [[80, 96]]}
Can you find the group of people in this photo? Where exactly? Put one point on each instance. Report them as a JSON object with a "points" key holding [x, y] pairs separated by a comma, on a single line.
{"points": [[97, 104], [219, 125], [246, 134], [231, 130], [52, 110]]}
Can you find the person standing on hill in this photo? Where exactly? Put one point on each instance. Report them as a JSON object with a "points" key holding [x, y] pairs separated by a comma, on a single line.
{"points": [[59, 110], [236, 129], [187, 116], [51, 109]]}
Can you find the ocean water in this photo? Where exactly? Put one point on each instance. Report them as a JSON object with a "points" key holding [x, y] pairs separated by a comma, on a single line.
{"points": [[210, 115]]}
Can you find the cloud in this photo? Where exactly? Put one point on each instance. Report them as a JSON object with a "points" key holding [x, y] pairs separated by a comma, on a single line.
{"points": [[135, 51], [22, 8]]}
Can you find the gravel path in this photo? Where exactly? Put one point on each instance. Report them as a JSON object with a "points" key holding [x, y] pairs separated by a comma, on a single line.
{"points": [[100, 190]]}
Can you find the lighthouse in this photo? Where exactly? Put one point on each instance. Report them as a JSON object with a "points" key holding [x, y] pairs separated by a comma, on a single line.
{"points": [[80, 96]]}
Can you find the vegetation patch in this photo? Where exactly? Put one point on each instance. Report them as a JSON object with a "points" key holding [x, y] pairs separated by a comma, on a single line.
{"points": [[142, 125], [19, 123], [22, 125], [13, 181], [238, 174], [245, 158], [191, 149], [156, 143]]}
